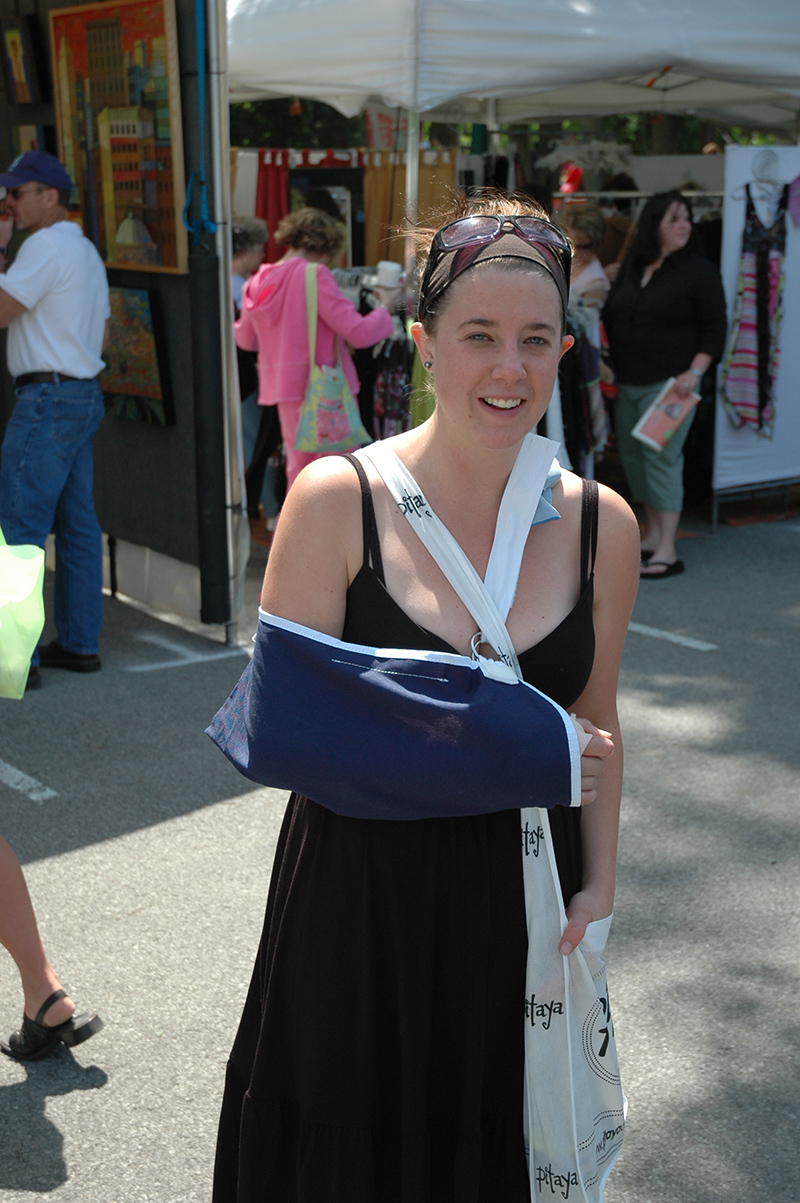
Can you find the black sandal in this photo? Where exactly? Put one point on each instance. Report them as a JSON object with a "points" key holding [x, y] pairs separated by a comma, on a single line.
{"points": [[35, 1039]]}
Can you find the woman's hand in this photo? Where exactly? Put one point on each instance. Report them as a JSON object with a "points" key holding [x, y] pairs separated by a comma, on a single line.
{"points": [[388, 297], [686, 383], [599, 748], [584, 908]]}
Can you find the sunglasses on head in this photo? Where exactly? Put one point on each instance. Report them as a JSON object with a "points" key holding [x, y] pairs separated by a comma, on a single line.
{"points": [[485, 228]]}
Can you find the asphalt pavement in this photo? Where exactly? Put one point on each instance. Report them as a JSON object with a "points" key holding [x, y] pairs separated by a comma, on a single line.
{"points": [[148, 859]]}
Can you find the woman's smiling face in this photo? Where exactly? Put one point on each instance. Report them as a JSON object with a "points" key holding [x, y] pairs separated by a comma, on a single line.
{"points": [[495, 353], [675, 229]]}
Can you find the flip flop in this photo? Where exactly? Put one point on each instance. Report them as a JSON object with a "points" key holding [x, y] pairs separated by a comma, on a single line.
{"points": [[669, 570], [35, 1039], [645, 556]]}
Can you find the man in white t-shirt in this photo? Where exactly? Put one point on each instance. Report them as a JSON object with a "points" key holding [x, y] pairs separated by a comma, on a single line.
{"points": [[54, 301]]}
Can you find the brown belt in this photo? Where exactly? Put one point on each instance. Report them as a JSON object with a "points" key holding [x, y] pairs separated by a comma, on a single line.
{"points": [[43, 378]]}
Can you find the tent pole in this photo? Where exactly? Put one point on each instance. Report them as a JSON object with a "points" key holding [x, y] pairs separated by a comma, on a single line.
{"points": [[238, 538], [412, 183]]}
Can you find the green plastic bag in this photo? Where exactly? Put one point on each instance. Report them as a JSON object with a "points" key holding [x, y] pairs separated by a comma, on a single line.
{"points": [[21, 613]]}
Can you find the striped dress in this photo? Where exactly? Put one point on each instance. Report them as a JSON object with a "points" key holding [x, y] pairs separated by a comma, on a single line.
{"points": [[750, 366]]}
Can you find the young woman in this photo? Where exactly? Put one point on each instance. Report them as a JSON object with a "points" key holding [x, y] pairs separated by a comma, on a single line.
{"points": [[664, 316], [380, 1054], [273, 322]]}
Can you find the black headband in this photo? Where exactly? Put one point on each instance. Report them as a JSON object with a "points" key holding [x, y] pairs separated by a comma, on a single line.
{"points": [[453, 264]]}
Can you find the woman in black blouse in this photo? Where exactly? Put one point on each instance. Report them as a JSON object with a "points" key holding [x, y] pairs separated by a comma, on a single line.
{"points": [[664, 316]]}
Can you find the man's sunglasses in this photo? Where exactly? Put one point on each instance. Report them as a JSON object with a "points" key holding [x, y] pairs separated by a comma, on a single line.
{"points": [[18, 192], [486, 228]]}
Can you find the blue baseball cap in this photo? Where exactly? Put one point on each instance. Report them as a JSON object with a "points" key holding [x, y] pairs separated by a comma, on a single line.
{"points": [[36, 166]]}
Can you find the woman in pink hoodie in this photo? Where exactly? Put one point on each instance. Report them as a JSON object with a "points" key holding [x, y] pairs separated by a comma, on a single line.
{"points": [[273, 322]]}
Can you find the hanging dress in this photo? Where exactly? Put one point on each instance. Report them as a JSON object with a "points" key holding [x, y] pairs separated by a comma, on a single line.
{"points": [[750, 366], [381, 1050]]}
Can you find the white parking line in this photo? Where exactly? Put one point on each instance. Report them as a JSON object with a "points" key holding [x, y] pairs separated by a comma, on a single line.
{"points": [[698, 645], [183, 655], [25, 784]]}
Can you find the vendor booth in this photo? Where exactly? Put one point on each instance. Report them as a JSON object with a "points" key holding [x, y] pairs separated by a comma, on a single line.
{"points": [[368, 185], [113, 89], [512, 60]]}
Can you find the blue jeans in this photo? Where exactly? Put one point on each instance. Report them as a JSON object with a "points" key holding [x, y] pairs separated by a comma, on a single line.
{"points": [[46, 480]]}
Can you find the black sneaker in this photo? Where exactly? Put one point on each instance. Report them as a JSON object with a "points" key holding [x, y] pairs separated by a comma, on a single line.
{"points": [[56, 656]]}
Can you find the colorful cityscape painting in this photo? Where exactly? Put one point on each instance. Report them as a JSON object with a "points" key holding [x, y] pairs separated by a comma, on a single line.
{"points": [[135, 382], [115, 76]]}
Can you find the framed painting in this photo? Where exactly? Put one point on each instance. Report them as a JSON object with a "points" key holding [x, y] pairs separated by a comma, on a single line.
{"points": [[136, 382], [118, 118], [19, 60]]}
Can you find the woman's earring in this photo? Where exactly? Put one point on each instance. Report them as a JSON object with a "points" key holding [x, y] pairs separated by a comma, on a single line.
{"points": [[428, 364]]}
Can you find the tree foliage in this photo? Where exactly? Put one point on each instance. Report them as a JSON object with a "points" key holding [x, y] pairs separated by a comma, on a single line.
{"points": [[300, 123], [310, 123]]}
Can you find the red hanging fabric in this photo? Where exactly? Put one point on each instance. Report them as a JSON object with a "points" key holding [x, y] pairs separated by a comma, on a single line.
{"points": [[272, 196]]}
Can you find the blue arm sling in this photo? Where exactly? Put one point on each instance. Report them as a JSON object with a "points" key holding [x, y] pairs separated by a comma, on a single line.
{"points": [[377, 733]]}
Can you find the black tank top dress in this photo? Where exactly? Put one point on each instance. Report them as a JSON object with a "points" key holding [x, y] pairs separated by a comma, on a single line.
{"points": [[380, 1054]]}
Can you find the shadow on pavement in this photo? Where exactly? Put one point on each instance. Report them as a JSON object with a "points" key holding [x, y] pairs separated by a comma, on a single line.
{"points": [[124, 748], [31, 1146]]}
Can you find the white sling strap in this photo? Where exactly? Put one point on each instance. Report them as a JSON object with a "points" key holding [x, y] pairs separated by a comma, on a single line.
{"points": [[488, 602], [573, 1106]]}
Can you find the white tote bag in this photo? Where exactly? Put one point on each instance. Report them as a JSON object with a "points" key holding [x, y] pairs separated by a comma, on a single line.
{"points": [[573, 1107]]}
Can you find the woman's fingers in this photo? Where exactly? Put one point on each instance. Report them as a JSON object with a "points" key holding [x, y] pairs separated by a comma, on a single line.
{"points": [[579, 914], [595, 754], [591, 768], [573, 934], [388, 297]]}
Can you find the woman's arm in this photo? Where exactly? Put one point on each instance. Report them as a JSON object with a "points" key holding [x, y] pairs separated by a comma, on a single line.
{"points": [[616, 581], [317, 549], [360, 330], [244, 331], [708, 300], [688, 381]]}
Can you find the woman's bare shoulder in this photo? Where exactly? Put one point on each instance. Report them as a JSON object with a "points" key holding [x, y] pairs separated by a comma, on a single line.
{"points": [[616, 517], [323, 504], [317, 547], [331, 476], [617, 528], [618, 550]]}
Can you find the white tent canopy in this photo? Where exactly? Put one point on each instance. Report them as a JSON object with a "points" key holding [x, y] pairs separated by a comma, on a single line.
{"points": [[728, 60]]}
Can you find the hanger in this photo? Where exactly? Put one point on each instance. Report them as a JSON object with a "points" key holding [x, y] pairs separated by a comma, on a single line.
{"points": [[766, 182]]}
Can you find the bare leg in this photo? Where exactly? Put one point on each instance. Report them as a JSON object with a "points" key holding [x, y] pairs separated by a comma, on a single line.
{"points": [[664, 551], [20, 935]]}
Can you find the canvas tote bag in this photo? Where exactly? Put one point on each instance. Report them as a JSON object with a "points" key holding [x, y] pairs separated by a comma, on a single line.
{"points": [[330, 419], [573, 1107]]}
